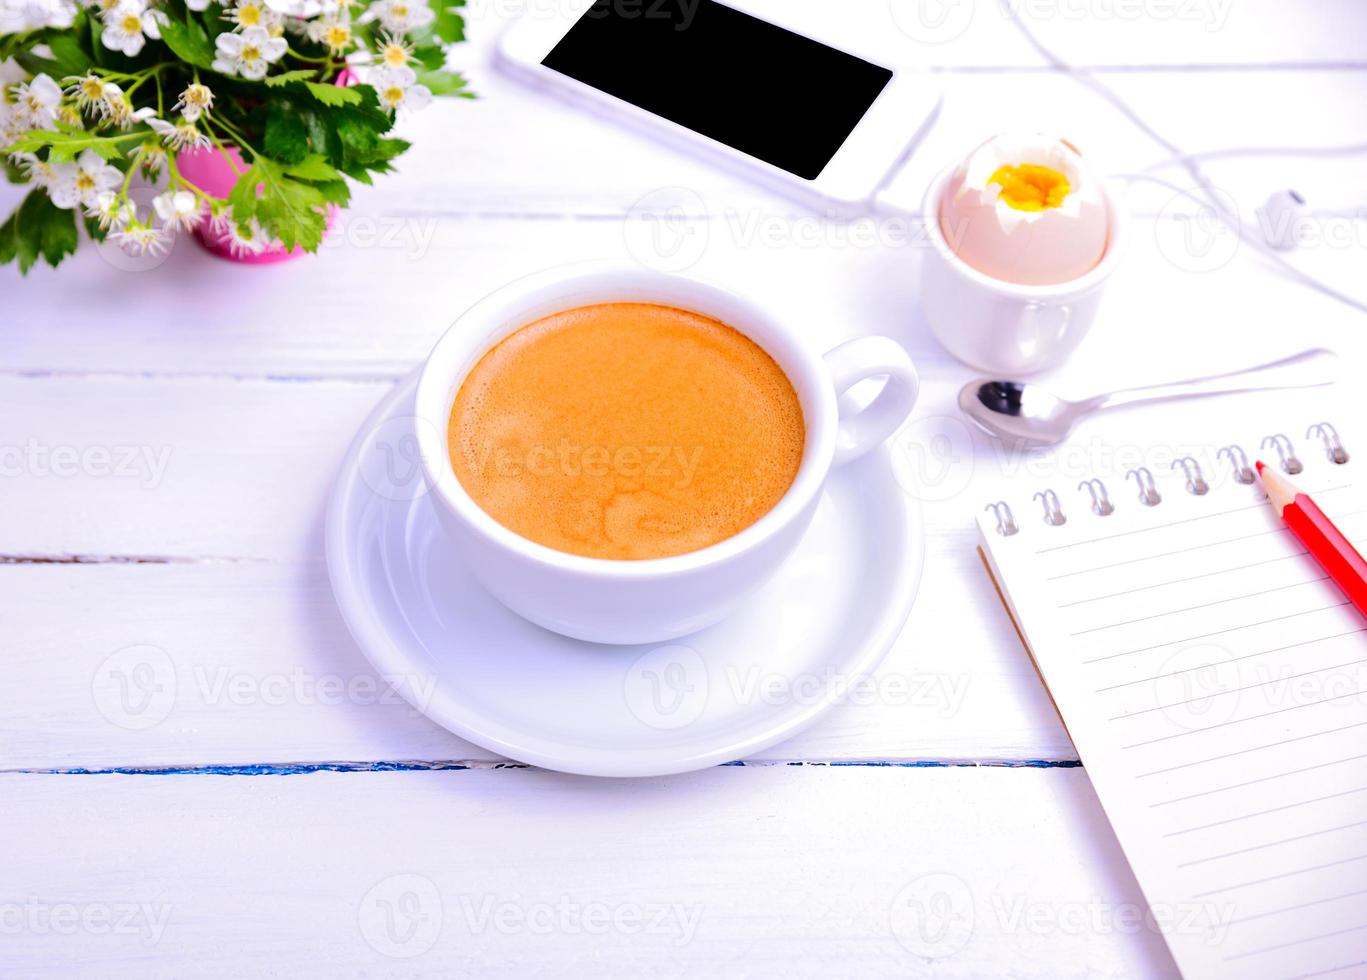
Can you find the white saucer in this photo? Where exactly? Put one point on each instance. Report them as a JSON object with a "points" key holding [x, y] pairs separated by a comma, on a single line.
{"points": [[824, 622]]}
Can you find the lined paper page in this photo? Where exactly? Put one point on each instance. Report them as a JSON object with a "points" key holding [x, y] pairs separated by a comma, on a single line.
{"points": [[1215, 685]]}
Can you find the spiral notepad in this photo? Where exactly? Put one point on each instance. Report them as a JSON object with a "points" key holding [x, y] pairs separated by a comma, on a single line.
{"points": [[1214, 683]]}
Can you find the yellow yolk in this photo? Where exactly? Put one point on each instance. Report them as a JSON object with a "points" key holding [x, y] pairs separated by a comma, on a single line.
{"points": [[1030, 187]]}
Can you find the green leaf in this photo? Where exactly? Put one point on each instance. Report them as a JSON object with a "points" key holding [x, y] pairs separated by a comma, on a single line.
{"points": [[336, 192], [98, 52], [285, 77], [449, 25], [313, 168], [93, 229], [37, 65], [430, 56], [291, 210], [287, 138], [188, 40], [442, 82], [67, 52], [37, 227], [334, 95], [63, 146]]}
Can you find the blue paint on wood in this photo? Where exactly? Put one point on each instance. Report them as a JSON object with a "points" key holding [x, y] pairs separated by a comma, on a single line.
{"points": [[304, 768]]}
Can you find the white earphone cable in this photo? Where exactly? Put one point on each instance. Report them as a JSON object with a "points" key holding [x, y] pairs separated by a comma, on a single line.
{"points": [[1189, 162]]}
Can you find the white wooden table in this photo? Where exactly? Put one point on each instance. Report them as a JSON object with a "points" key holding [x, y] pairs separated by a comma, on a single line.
{"points": [[170, 436]]}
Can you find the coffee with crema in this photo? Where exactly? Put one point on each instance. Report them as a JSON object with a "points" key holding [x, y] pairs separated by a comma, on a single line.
{"points": [[626, 430]]}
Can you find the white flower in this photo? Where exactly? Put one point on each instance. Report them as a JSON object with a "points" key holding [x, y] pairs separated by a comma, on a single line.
{"points": [[118, 110], [400, 16], [111, 210], [88, 91], [128, 24], [178, 209], [179, 137], [244, 239], [398, 88], [38, 101], [251, 13], [37, 172], [151, 158], [112, 101], [31, 15], [334, 33], [82, 182], [140, 239], [197, 4], [196, 99], [394, 52], [248, 54]]}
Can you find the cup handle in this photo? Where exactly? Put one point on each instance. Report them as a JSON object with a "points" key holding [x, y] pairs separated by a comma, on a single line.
{"points": [[859, 360]]}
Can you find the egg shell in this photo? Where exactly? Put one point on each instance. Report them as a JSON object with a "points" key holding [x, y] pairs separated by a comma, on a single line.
{"points": [[1033, 248]]}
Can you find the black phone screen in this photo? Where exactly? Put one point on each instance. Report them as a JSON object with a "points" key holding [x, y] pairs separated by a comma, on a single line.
{"points": [[759, 88]]}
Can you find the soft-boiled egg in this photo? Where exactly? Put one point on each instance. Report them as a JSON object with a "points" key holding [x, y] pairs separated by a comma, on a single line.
{"points": [[1026, 209]]}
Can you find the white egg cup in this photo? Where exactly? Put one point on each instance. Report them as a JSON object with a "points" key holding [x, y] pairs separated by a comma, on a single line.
{"points": [[1004, 327]]}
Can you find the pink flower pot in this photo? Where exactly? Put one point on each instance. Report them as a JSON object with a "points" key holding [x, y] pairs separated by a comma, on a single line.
{"points": [[208, 170]]}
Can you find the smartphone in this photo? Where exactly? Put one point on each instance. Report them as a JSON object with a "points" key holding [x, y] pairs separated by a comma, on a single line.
{"points": [[823, 124]]}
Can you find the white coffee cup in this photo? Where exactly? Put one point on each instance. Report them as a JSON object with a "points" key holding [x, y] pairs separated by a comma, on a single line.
{"points": [[1004, 327], [616, 601]]}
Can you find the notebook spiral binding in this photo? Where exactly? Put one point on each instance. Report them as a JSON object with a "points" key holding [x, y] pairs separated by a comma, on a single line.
{"points": [[1285, 451], [1243, 473], [1332, 446], [1196, 480], [1100, 500], [1148, 493]]}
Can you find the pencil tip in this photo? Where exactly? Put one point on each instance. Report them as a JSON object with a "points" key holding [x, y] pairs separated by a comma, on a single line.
{"points": [[1260, 466]]}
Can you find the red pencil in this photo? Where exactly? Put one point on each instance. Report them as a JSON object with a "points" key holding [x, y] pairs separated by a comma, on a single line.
{"points": [[1326, 543]]}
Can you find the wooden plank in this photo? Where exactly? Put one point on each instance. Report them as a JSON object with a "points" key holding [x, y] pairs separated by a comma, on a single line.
{"points": [[733, 872], [238, 663], [373, 314], [478, 203], [1103, 34]]}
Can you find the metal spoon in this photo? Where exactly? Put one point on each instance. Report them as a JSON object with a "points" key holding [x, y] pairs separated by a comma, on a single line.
{"points": [[1034, 416]]}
